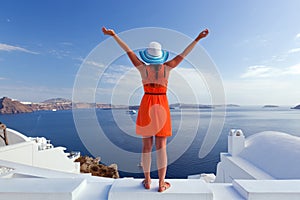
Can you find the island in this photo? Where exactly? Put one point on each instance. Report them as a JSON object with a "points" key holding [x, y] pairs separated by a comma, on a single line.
{"points": [[296, 107], [270, 106], [190, 106], [232, 105]]}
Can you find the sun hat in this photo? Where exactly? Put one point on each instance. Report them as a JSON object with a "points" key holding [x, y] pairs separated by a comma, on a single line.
{"points": [[154, 54]]}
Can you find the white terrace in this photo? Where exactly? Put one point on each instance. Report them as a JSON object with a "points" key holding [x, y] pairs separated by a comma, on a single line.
{"points": [[264, 166]]}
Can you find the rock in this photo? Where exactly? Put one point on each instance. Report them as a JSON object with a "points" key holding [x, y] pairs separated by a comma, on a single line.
{"points": [[270, 106], [91, 165], [9, 106], [296, 107]]}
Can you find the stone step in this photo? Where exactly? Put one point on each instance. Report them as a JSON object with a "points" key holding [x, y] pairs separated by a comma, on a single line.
{"points": [[94, 190], [130, 189], [40, 188], [224, 191], [268, 189]]}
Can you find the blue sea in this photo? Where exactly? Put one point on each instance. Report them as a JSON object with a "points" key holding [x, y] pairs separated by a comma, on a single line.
{"points": [[59, 127]]}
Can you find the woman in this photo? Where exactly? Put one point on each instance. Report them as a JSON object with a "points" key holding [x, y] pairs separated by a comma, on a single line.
{"points": [[154, 120]]}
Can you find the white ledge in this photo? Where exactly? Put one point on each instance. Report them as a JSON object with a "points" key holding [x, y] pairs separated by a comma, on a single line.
{"points": [[39, 188], [268, 189], [130, 189]]}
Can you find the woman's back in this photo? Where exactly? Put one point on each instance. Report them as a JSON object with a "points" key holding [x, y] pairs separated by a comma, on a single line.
{"points": [[155, 76]]}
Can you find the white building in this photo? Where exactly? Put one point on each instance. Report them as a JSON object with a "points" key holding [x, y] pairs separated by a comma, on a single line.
{"points": [[263, 166]]}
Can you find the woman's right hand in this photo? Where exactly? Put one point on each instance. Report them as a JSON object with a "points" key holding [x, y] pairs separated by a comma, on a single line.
{"points": [[108, 31]]}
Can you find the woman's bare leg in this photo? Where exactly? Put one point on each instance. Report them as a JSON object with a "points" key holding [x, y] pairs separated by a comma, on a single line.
{"points": [[146, 158], [161, 150]]}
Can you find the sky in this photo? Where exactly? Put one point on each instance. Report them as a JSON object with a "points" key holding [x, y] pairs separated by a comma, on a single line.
{"points": [[254, 44]]}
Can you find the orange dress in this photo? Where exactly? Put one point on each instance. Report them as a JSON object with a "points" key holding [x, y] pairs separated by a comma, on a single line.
{"points": [[154, 117]]}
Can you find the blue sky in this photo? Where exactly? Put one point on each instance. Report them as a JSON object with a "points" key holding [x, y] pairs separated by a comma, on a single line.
{"points": [[255, 44]]}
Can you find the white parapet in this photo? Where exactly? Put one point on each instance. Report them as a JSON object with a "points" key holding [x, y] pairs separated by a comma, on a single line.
{"points": [[14, 137], [181, 189], [268, 189], [236, 142], [37, 152], [40, 188]]}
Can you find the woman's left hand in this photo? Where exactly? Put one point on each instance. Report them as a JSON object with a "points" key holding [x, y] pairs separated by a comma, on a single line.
{"points": [[203, 34]]}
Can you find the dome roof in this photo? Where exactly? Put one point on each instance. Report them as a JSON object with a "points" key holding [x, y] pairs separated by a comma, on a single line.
{"points": [[276, 153]]}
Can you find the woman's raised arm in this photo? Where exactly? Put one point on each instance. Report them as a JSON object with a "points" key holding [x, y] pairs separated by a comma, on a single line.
{"points": [[134, 59], [175, 61]]}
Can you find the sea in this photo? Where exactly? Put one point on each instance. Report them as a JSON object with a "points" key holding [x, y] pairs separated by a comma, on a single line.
{"points": [[190, 128]]}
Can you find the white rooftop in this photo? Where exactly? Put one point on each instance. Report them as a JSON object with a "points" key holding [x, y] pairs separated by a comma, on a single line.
{"points": [[276, 153], [127, 189], [35, 188], [247, 171]]}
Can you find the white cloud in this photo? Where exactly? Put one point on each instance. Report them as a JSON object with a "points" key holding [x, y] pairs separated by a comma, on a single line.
{"points": [[292, 70], [298, 36], [60, 53], [122, 84], [34, 93], [6, 47], [113, 73], [2, 78], [258, 71], [94, 63], [280, 58], [295, 50], [254, 41], [275, 91], [66, 43], [283, 56], [265, 85], [261, 71], [89, 71], [261, 85], [191, 86]]}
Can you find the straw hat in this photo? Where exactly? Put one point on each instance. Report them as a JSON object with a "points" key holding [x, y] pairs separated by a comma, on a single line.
{"points": [[154, 54]]}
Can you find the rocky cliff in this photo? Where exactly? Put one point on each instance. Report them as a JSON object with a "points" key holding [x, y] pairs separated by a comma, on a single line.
{"points": [[9, 106]]}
